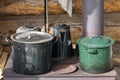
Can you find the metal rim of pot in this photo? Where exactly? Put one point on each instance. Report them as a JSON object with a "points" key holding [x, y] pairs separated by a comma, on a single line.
{"points": [[28, 27], [97, 46], [14, 37], [24, 28]]}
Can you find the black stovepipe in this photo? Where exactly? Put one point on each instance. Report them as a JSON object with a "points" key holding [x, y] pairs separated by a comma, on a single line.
{"points": [[46, 15]]}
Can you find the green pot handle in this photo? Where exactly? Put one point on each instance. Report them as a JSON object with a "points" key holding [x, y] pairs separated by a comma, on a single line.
{"points": [[92, 51]]}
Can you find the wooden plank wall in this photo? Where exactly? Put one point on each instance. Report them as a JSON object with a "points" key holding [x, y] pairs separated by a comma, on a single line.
{"points": [[11, 23], [36, 7]]}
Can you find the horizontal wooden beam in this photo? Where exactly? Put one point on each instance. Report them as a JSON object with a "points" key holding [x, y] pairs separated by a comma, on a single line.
{"points": [[25, 7]]}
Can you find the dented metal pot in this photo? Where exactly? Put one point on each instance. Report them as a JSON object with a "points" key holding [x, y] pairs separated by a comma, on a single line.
{"points": [[32, 52], [27, 27], [96, 54]]}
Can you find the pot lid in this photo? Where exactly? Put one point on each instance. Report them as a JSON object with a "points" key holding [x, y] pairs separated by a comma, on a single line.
{"points": [[28, 27], [31, 37], [61, 25], [97, 42]]}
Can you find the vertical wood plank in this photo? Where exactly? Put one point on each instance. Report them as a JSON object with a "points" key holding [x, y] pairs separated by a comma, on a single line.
{"points": [[3, 60]]}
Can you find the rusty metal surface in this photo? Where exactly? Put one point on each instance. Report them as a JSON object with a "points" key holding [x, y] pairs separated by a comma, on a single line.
{"points": [[8, 72], [65, 78]]}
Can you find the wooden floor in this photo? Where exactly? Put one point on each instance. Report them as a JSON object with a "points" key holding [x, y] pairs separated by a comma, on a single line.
{"points": [[9, 24]]}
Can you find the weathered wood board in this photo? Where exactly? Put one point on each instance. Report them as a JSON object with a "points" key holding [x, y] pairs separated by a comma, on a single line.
{"points": [[3, 60], [1, 49], [11, 23], [36, 7]]}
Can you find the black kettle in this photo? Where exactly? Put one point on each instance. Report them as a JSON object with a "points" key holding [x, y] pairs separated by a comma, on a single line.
{"points": [[62, 49]]}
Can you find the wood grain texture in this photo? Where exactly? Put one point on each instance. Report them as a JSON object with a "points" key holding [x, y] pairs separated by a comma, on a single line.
{"points": [[116, 60], [1, 49], [11, 23], [76, 32], [3, 60], [36, 7]]}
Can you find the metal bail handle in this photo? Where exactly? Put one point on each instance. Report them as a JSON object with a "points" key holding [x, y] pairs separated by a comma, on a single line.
{"points": [[55, 39]]}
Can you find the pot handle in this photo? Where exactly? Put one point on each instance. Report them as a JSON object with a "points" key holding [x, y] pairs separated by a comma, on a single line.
{"points": [[92, 51], [9, 40], [55, 39]]}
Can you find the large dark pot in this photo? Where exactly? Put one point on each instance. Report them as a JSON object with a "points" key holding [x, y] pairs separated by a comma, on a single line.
{"points": [[32, 52]]}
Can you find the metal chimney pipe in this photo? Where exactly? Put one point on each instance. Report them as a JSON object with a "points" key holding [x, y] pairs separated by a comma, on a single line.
{"points": [[46, 15], [93, 17]]}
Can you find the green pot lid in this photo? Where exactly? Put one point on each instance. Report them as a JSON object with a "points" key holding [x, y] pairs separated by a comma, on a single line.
{"points": [[97, 42], [61, 26]]}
